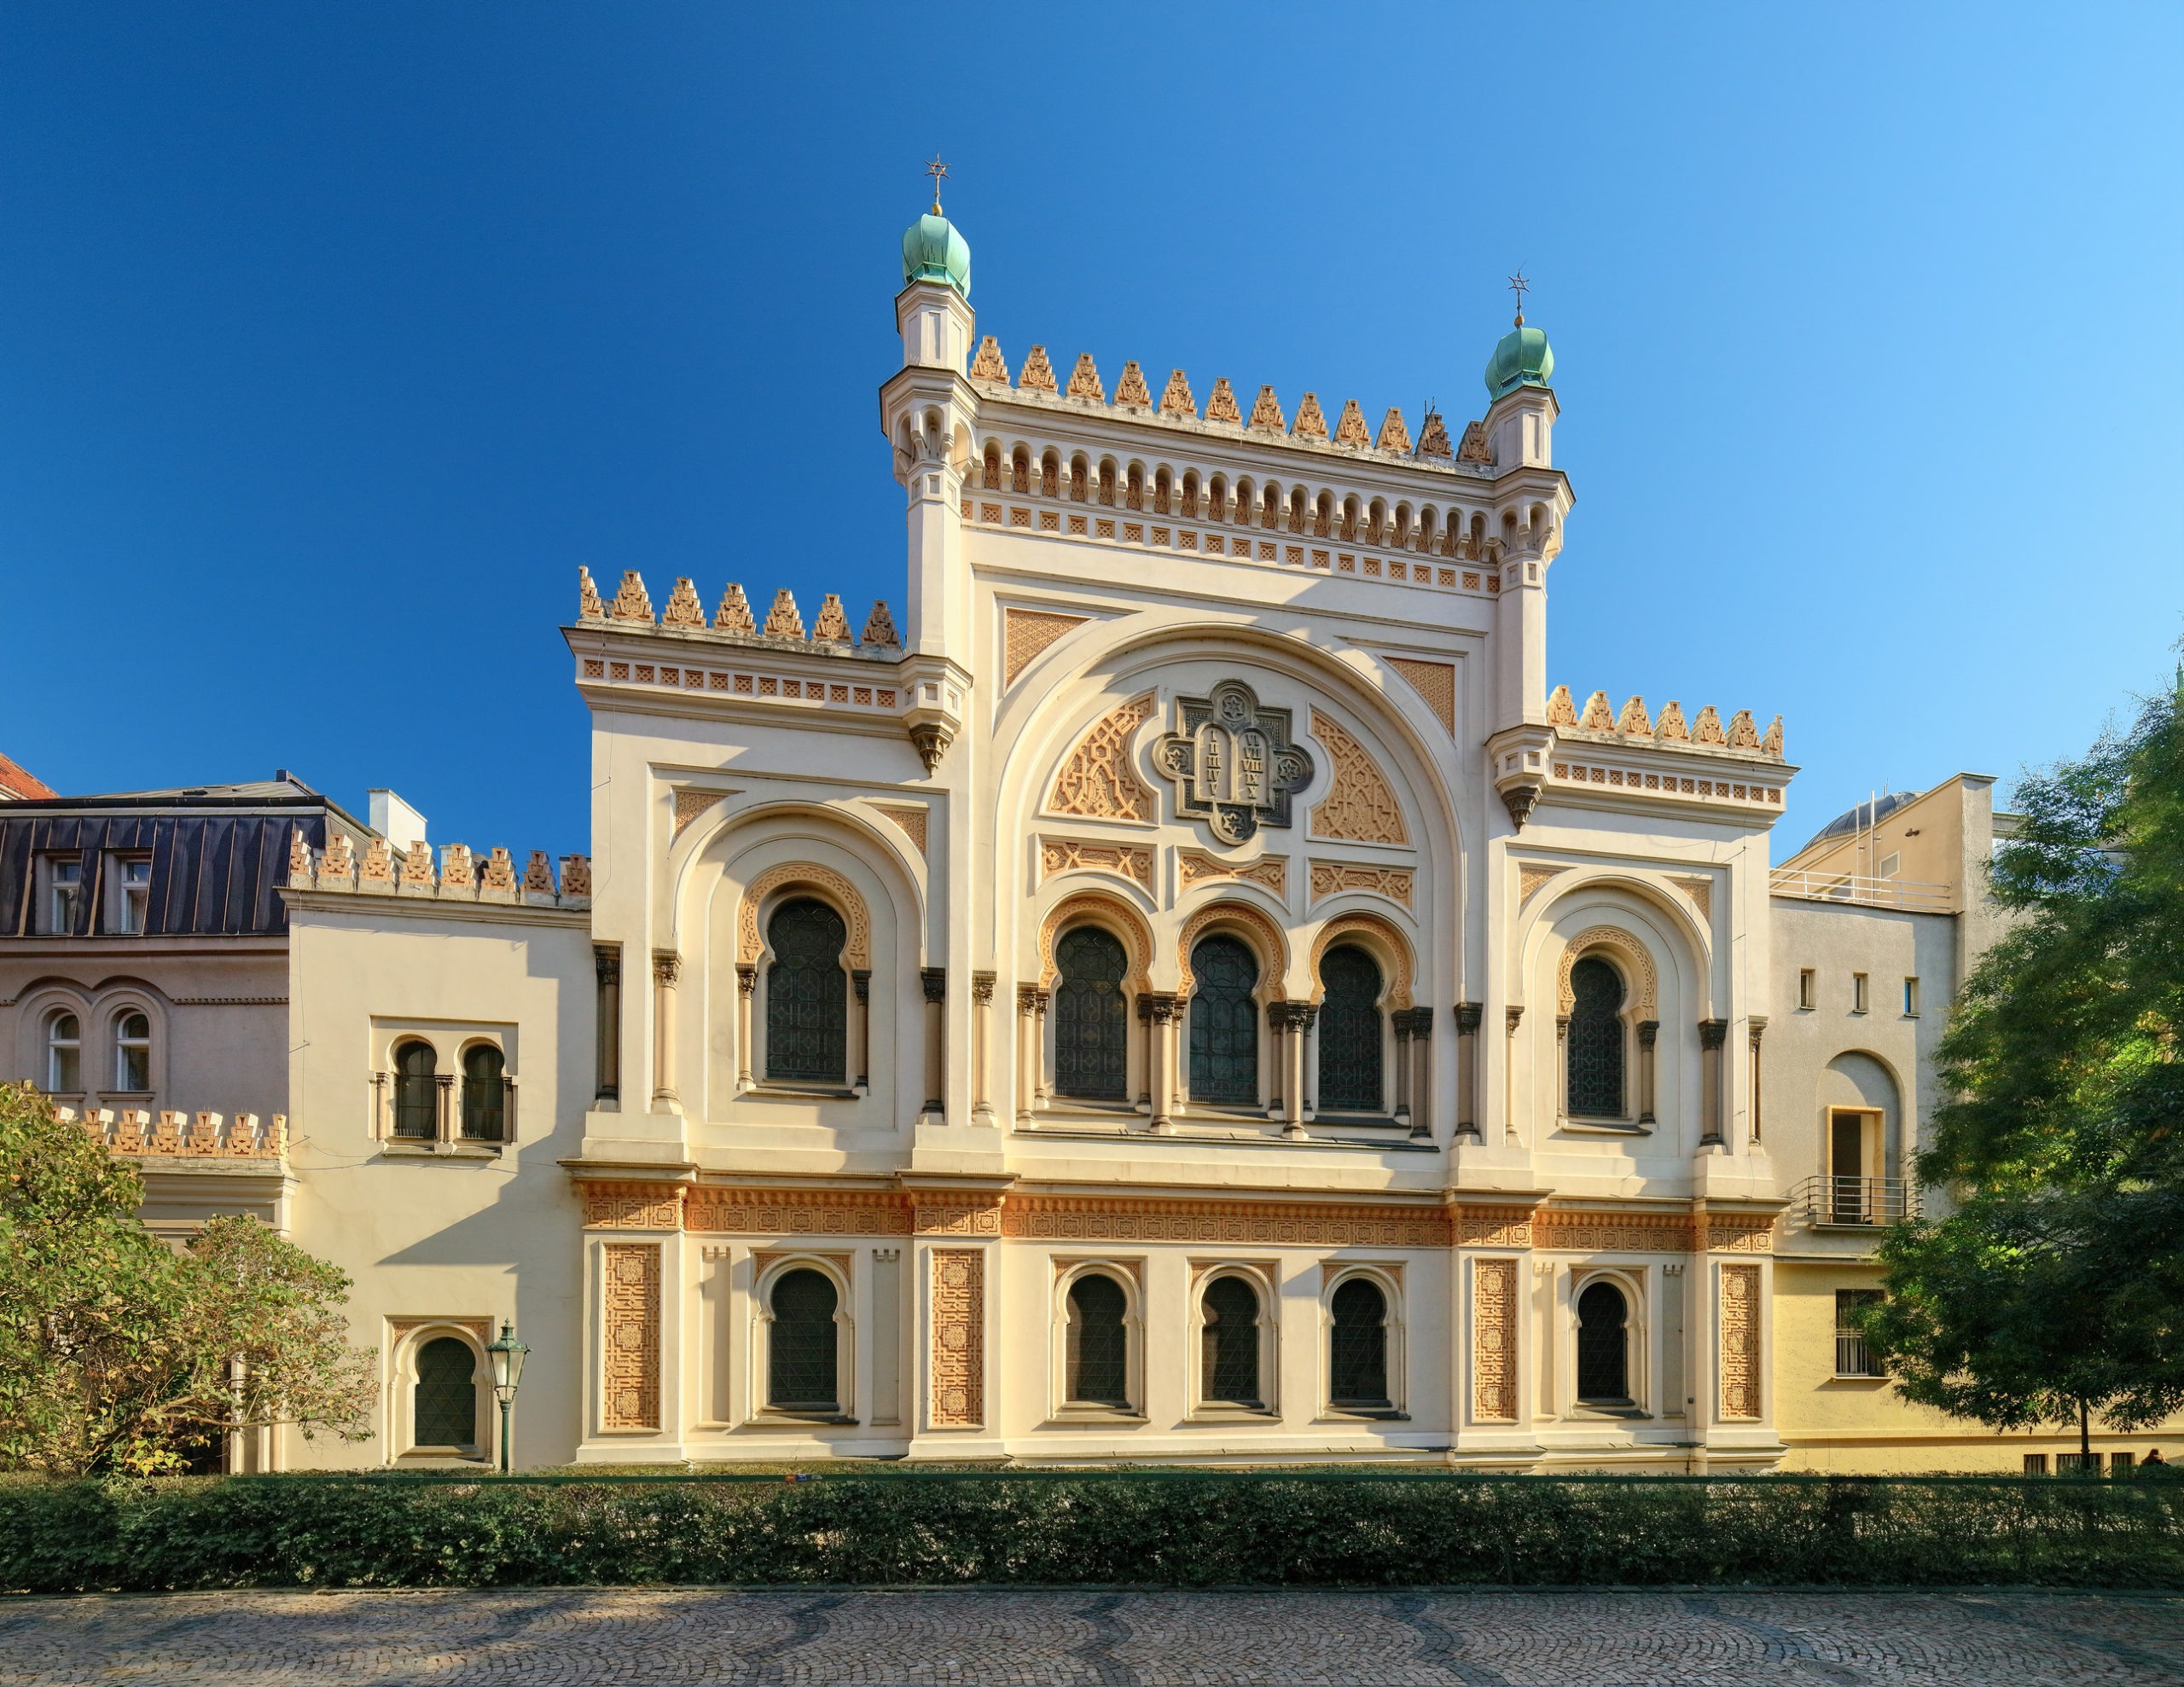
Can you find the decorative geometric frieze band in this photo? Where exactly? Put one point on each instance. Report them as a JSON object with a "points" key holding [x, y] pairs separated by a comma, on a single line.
{"points": [[1330, 879], [1194, 866], [798, 1212], [633, 1206], [630, 1367], [1060, 1217], [1133, 862]]}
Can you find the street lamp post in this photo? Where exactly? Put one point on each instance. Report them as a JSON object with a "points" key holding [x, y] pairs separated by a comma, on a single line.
{"points": [[508, 1376]]}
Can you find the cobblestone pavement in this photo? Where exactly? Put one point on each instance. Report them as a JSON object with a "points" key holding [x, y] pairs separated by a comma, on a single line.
{"points": [[814, 1638]]}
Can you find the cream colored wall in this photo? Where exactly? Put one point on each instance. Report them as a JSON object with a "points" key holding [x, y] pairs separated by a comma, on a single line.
{"points": [[477, 1236]]}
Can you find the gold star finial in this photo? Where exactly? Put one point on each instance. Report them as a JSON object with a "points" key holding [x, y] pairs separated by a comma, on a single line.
{"points": [[1520, 286], [936, 169]]}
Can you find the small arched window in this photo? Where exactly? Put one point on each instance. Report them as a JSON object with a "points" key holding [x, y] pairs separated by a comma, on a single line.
{"points": [[415, 1103], [484, 1093], [1595, 1045], [132, 1053], [1091, 1028], [1350, 1032], [993, 469], [1357, 1354], [807, 994], [1224, 1024], [64, 1054], [800, 1356], [1230, 1372], [1603, 1355], [1099, 1353], [447, 1394]]}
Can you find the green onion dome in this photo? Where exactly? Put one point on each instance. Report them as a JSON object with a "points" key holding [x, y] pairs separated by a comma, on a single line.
{"points": [[933, 252], [1522, 359]]}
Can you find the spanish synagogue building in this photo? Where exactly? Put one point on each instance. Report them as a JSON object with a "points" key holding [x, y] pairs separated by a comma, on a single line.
{"points": [[1184, 985]]}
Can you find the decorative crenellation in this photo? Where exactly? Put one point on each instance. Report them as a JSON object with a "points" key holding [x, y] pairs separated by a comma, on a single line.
{"points": [[461, 877], [784, 625], [183, 1136], [1669, 731]]}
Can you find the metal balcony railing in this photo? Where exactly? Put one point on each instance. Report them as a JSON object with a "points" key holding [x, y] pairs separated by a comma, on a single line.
{"points": [[1910, 895], [1856, 1203]]}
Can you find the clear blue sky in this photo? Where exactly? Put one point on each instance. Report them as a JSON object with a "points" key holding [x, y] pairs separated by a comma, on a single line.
{"points": [[332, 339]]}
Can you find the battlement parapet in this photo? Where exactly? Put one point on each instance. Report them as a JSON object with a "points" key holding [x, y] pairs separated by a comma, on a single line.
{"points": [[461, 877], [170, 1135]]}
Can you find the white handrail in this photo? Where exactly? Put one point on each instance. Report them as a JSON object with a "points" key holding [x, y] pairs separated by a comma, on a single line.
{"points": [[1909, 894]]}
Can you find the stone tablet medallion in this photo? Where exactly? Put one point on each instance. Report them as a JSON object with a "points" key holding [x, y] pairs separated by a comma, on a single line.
{"points": [[1234, 765]]}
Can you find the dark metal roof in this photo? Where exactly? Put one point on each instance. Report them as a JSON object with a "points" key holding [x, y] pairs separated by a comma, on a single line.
{"points": [[1865, 816]]}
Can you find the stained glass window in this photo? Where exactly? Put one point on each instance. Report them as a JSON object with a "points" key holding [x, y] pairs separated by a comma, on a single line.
{"points": [[1358, 1346], [800, 1355], [1098, 1343], [447, 1394], [807, 995], [1603, 1364], [1595, 1045], [415, 1111], [1230, 1368], [1350, 1032], [484, 1093], [1224, 1022], [1091, 1027]]}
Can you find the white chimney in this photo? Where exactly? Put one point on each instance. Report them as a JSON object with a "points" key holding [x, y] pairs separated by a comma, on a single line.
{"points": [[396, 821]]}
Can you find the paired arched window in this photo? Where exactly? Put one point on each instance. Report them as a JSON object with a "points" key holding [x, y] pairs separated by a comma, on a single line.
{"points": [[1091, 1018], [1224, 1022], [446, 1412], [1230, 1356], [64, 1053], [415, 1098], [801, 1357], [1098, 1342], [1595, 1039], [1351, 1079], [485, 1095], [1357, 1357], [1603, 1352], [132, 1051], [807, 994]]}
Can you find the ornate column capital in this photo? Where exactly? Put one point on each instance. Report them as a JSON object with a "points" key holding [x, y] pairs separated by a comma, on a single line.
{"points": [[934, 981], [1713, 1033], [666, 966], [982, 985], [1468, 1015]]}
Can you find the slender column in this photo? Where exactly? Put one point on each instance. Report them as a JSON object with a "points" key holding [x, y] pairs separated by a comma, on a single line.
{"points": [[1649, 1032], [935, 982], [1029, 1054], [1039, 1048], [1296, 1017], [1509, 1074], [444, 1087], [1758, 1025], [982, 1055], [1421, 1071], [1163, 1010], [1277, 1036], [860, 987], [1468, 1015], [1399, 1022], [747, 985], [607, 965], [1712, 1034], [1144, 1052], [1561, 1067], [666, 969]]}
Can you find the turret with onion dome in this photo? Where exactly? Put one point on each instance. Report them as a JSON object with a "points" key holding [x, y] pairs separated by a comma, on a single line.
{"points": [[1523, 358], [932, 251]]}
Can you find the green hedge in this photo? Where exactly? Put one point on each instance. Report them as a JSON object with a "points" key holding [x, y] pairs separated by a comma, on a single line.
{"points": [[1177, 1528]]}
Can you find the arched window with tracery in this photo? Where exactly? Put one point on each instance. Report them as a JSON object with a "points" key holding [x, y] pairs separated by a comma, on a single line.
{"points": [[1357, 1347], [1098, 1341], [802, 1365], [1229, 1343], [484, 1093], [1091, 1020], [1350, 1078], [1595, 1039], [1603, 1351], [807, 994], [446, 1402], [416, 1101], [1224, 1022]]}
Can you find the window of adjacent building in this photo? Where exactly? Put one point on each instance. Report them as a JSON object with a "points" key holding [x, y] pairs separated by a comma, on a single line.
{"points": [[64, 1054], [1229, 1371], [1224, 1022], [1858, 992], [2035, 1464], [485, 1095], [1911, 998], [416, 1107], [131, 893], [2120, 1462], [1890, 865], [132, 1053], [1595, 1041], [1357, 1347], [1853, 1357], [1350, 1032], [1098, 1342], [807, 994], [447, 1394], [801, 1359], [1603, 1347], [1805, 987], [1091, 1028], [64, 891]]}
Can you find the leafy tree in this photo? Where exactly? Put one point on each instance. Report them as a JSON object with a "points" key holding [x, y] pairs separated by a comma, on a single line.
{"points": [[2053, 1290], [117, 1352]]}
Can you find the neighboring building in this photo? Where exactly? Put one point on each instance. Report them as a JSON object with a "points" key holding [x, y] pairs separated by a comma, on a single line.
{"points": [[1191, 990], [16, 785]]}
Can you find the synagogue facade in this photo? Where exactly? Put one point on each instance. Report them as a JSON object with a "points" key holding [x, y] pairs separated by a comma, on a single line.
{"points": [[1188, 985]]}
